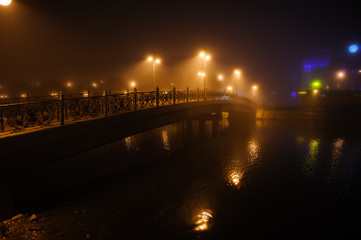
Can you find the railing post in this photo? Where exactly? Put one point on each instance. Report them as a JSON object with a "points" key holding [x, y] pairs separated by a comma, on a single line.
{"points": [[61, 108], [157, 97], [174, 95], [187, 95], [197, 94], [88, 93], [135, 99], [205, 95], [105, 103]]}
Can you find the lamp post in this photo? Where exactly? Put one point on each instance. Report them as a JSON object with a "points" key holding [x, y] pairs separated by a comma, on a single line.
{"points": [[237, 72], [205, 58], [154, 61]]}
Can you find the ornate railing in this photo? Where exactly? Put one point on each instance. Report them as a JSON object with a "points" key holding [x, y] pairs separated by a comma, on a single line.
{"points": [[62, 109]]}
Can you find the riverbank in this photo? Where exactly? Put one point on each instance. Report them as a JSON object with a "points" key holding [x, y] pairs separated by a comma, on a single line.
{"points": [[30, 227], [298, 113]]}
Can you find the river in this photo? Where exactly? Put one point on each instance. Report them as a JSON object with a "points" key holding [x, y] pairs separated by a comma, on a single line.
{"points": [[250, 180]]}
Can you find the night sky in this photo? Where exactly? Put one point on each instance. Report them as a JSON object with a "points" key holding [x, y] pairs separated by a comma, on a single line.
{"points": [[44, 44]]}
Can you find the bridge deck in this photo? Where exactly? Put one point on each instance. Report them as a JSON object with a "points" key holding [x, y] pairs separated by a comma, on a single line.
{"points": [[20, 118]]}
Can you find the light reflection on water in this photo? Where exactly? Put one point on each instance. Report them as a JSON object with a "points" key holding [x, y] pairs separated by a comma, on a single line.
{"points": [[254, 151], [131, 143], [240, 161], [337, 152], [166, 144], [202, 220], [311, 159]]}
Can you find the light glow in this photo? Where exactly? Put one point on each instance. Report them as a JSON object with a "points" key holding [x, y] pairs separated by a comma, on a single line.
{"points": [[5, 2], [353, 48], [220, 77], [316, 84], [340, 74]]}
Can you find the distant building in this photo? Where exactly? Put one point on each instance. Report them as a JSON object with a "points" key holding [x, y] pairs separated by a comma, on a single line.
{"points": [[335, 71]]}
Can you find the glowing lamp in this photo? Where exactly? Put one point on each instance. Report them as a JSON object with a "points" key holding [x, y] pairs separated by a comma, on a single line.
{"points": [[316, 84], [340, 74], [353, 48], [5, 2]]}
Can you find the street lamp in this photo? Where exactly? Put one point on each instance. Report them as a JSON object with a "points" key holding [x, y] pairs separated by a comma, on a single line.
{"points": [[155, 61], [5, 2], [205, 58], [220, 77], [229, 88], [237, 72], [132, 84], [340, 74]]}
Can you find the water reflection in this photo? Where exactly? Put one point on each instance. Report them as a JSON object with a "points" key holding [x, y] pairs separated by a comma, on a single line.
{"points": [[309, 167], [166, 144], [245, 156], [131, 144], [336, 155], [337, 151], [235, 177], [253, 152], [202, 220]]}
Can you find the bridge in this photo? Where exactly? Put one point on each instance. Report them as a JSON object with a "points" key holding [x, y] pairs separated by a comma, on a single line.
{"points": [[48, 130]]}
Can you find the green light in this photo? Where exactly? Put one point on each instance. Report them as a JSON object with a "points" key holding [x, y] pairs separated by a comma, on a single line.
{"points": [[316, 84]]}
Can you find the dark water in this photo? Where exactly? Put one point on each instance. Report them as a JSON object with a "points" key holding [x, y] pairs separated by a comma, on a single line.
{"points": [[253, 181]]}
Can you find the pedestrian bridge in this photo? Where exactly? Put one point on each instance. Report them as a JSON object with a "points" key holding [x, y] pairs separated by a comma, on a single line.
{"points": [[39, 132]]}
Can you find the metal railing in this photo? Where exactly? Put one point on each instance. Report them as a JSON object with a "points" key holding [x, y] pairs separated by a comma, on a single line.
{"points": [[60, 110]]}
